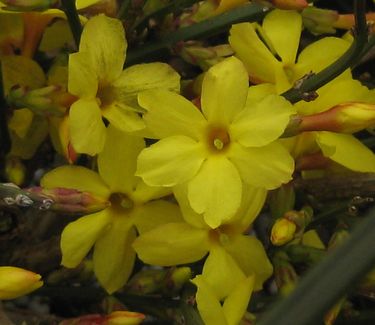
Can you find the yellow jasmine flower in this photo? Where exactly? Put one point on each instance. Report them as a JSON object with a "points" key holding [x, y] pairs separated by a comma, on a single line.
{"points": [[234, 306], [16, 282], [344, 149], [230, 142], [104, 89], [275, 61], [112, 230], [229, 249]]}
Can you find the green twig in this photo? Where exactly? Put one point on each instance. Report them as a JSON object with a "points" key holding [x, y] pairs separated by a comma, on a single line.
{"points": [[329, 280], [209, 27], [69, 7], [349, 58]]}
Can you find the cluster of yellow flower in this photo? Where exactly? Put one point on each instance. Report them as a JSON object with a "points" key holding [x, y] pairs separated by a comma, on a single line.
{"points": [[196, 190]]}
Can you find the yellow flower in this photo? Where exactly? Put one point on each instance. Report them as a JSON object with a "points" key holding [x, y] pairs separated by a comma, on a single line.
{"points": [[16, 282], [230, 250], [104, 89], [276, 62], [232, 141], [112, 230]]}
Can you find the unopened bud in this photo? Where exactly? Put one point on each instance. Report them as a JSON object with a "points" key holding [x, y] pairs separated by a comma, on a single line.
{"points": [[175, 279], [53, 99], [290, 4], [283, 231], [15, 170], [71, 200], [16, 282], [29, 5], [124, 318], [319, 21], [285, 275], [146, 281]]}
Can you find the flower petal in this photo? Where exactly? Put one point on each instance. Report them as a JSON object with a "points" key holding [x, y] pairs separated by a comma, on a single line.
{"points": [[209, 306], [265, 167], [346, 150], [118, 160], [311, 58], [87, 130], [103, 40], [257, 92], [144, 193], [224, 91], [263, 122], [258, 60], [82, 80], [216, 191], [230, 274], [170, 161], [75, 177], [170, 114], [155, 214], [141, 77], [236, 304], [249, 254], [283, 28], [113, 254], [155, 247], [79, 236], [123, 118]]}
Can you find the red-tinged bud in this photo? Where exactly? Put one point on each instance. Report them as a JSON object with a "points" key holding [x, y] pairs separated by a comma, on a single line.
{"points": [[348, 21], [290, 4], [86, 320], [283, 231], [16, 282], [71, 200]]}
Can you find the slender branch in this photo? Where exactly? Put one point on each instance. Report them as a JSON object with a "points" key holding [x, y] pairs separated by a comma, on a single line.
{"points": [[70, 9], [349, 58], [251, 12]]}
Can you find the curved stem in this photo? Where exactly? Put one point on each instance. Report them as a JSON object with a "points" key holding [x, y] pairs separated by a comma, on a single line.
{"points": [[69, 7]]}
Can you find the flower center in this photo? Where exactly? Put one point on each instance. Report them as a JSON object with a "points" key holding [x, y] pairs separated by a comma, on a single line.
{"points": [[105, 95], [122, 202], [218, 139]]}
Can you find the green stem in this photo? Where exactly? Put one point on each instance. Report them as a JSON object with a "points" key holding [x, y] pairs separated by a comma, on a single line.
{"points": [[349, 58], [326, 283], [69, 7], [327, 215], [209, 27]]}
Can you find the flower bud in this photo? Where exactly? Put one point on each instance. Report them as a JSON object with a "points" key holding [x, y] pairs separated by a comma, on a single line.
{"points": [[124, 318], [146, 281], [15, 170], [319, 21], [29, 5], [283, 231], [16, 282]]}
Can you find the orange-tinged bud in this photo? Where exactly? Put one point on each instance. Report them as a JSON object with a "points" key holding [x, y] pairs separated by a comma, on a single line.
{"points": [[283, 231], [16, 282], [124, 318]]}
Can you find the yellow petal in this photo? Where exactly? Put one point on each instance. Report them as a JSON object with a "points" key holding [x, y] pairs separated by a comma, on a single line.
{"points": [[209, 306], [16, 282], [154, 214], [252, 202], [155, 247], [223, 282], [80, 4], [20, 70], [118, 160], [170, 114], [258, 60], [146, 76], [216, 191], [249, 254], [75, 177], [113, 254], [87, 130], [346, 150], [236, 304], [224, 91], [144, 193], [123, 118], [56, 37], [257, 92], [263, 122], [283, 28], [103, 40], [20, 121], [265, 167], [170, 161], [82, 80], [312, 239], [79, 236], [311, 58]]}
